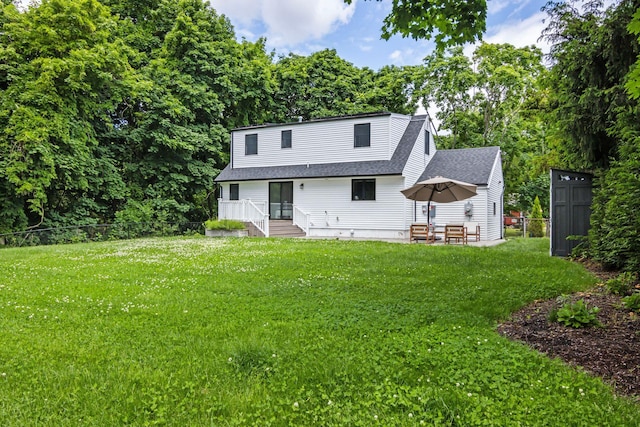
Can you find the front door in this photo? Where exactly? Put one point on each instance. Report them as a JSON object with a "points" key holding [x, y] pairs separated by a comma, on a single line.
{"points": [[281, 200]]}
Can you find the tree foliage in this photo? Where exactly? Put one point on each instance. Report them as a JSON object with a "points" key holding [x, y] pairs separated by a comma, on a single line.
{"points": [[323, 84], [448, 22], [592, 53], [493, 98], [120, 110], [599, 121], [63, 71]]}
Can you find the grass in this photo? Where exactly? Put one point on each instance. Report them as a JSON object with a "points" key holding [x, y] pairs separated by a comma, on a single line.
{"points": [[236, 332]]}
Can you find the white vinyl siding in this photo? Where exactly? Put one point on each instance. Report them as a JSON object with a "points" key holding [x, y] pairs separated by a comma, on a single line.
{"points": [[418, 160], [333, 196], [494, 222], [247, 190], [397, 125], [315, 142]]}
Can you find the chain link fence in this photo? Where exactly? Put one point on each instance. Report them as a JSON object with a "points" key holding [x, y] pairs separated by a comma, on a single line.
{"points": [[97, 233], [522, 227]]}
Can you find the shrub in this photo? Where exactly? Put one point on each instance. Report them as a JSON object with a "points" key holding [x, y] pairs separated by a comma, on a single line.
{"points": [[621, 285], [632, 302], [577, 315], [536, 225], [223, 224], [615, 221]]}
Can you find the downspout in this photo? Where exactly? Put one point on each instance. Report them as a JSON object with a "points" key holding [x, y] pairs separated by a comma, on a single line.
{"points": [[502, 211], [231, 149]]}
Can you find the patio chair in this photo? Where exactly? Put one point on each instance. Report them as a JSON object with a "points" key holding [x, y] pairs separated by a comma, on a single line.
{"points": [[455, 232], [421, 232], [472, 229]]}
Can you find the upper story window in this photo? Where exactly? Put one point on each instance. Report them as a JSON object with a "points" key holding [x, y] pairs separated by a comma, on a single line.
{"points": [[251, 144], [362, 135], [285, 139], [234, 191], [363, 189], [427, 142]]}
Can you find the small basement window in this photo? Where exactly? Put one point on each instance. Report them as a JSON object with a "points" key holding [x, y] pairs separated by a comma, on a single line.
{"points": [[363, 189]]}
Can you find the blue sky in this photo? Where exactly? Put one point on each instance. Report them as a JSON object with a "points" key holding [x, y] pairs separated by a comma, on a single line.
{"points": [[304, 27]]}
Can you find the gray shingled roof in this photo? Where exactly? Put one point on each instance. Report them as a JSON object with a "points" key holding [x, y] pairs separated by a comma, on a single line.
{"points": [[472, 165], [330, 170], [316, 120]]}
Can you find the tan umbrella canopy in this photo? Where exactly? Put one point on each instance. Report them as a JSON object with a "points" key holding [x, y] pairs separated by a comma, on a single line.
{"points": [[441, 190]]}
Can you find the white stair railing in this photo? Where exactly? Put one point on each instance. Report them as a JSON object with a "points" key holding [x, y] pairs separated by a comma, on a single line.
{"points": [[245, 211], [301, 219]]}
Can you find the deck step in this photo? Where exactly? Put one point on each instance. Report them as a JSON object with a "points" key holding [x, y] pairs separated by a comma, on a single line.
{"points": [[284, 228]]}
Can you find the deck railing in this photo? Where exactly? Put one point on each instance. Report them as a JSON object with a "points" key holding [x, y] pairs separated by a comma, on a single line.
{"points": [[246, 211], [301, 219]]}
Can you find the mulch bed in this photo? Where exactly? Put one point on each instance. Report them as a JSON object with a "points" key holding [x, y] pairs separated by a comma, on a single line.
{"points": [[611, 351]]}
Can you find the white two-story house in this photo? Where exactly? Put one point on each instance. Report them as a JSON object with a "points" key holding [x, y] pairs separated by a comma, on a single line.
{"points": [[342, 176]]}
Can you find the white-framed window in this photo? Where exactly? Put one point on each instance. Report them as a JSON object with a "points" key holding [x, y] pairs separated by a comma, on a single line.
{"points": [[234, 191], [362, 135], [285, 139], [427, 145], [251, 144], [363, 189]]}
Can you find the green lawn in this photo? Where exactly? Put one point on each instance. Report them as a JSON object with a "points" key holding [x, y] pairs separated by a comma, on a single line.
{"points": [[199, 332]]}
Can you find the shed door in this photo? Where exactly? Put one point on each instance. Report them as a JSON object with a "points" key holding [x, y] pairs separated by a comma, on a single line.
{"points": [[571, 194]]}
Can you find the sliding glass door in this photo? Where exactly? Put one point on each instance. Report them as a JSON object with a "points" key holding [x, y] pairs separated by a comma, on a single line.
{"points": [[281, 200]]}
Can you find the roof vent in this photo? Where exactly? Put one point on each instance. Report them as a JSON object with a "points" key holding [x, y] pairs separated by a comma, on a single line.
{"points": [[299, 119]]}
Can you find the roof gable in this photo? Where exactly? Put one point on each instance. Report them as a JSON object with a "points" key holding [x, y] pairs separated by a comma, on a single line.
{"points": [[472, 165]]}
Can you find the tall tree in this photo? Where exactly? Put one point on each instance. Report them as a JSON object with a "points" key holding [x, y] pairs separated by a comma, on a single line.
{"points": [[446, 81], [487, 101], [507, 78], [172, 137], [62, 72], [323, 84], [594, 54]]}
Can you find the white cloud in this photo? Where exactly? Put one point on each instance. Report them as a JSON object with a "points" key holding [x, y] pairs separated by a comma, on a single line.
{"points": [[402, 57], [396, 55], [241, 11], [521, 33], [288, 22], [497, 6], [365, 44]]}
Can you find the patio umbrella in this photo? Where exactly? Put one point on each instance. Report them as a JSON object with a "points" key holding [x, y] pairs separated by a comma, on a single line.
{"points": [[441, 190]]}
